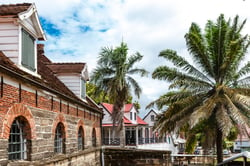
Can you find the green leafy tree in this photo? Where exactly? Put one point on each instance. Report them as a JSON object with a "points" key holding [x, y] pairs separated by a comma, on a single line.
{"points": [[214, 89], [113, 76]]}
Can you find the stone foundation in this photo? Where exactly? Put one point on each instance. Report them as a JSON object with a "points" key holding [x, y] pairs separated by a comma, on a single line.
{"points": [[90, 157], [135, 157]]}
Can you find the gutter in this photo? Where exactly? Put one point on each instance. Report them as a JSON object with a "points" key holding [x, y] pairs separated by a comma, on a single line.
{"points": [[28, 80]]}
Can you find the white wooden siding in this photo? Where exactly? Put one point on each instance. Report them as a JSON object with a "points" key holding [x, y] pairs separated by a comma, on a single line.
{"points": [[9, 40], [106, 118], [72, 82], [148, 118]]}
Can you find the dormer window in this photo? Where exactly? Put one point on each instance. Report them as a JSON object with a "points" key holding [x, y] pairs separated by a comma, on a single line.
{"points": [[152, 117], [83, 89], [28, 51]]}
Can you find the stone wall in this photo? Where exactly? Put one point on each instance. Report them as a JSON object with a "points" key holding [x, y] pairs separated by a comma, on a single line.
{"points": [[135, 157], [90, 157]]}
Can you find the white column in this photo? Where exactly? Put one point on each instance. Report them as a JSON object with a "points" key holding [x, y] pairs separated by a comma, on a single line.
{"points": [[143, 135], [109, 136], [136, 135]]}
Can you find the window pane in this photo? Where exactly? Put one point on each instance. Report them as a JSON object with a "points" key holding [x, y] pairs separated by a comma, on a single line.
{"points": [[17, 148], [28, 50], [59, 141], [83, 89]]}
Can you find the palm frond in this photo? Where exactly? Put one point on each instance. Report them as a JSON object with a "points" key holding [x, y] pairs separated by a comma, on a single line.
{"points": [[223, 120], [243, 83], [197, 47], [133, 59], [172, 74], [235, 113], [244, 70], [179, 61], [202, 112], [135, 86], [141, 72], [194, 84]]}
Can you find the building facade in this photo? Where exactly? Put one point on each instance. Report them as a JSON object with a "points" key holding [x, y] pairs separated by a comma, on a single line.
{"points": [[171, 142], [45, 116], [134, 126]]}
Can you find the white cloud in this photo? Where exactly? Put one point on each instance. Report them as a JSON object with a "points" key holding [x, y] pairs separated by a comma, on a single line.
{"points": [[146, 26]]}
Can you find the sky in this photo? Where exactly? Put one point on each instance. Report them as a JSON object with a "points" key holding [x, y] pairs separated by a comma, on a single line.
{"points": [[76, 30]]}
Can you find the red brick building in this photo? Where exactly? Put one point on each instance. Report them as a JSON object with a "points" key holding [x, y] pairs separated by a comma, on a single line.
{"points": [[45, 116]]}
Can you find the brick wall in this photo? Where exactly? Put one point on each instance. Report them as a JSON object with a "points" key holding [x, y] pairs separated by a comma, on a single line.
{"points": [[43, 111]]}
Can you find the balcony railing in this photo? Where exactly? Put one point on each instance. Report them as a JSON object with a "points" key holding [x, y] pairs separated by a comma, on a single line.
{"points": [[111, 141], [129, 141]]}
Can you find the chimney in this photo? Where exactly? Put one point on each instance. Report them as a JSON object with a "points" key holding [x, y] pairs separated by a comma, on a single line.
{"points": [[40, 49]]}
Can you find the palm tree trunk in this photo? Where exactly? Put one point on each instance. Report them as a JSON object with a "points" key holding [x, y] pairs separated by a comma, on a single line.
{"points": [[122, 131], [219, 146], [122, 135]]}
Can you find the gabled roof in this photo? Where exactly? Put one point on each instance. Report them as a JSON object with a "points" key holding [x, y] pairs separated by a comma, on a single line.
{"points": [[109, 107], [12, 10], [152, 110], [25, 14], [127, 122], [47, 81], [66, 67]]}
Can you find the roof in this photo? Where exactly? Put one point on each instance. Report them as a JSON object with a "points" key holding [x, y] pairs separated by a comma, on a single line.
{"points": [[140, 121], [47, 81], [13, 9], [109, 107], [127, 122], [25, 14], [66, 67], [149, 113]]}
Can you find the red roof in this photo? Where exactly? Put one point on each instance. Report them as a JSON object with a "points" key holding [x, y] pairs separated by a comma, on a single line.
{"points": [[140, 121], [127, 122], [109, 107]]}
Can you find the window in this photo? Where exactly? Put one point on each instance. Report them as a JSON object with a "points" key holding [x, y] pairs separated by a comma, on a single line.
{"points": [[94, 138], [59, 141], [152, 117], [80, 139], [135, 115], [131, 115], [18, 145], [28, 50], [83, 89]]}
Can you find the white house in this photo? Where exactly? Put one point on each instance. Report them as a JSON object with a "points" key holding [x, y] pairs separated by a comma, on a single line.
{"points": [[134, 126], [168, 141]]}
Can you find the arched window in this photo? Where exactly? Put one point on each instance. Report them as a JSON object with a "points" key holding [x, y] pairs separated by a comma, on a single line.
{"points": [[19, 146], [80, 138], [94, 138], [59, 141]]}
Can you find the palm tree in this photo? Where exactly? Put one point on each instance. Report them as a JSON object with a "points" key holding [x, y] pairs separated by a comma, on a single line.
{"points": [[215, 89], [113, 76]]}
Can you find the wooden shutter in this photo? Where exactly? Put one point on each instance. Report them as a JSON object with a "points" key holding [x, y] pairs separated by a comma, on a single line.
{"points": [[28, 50]]}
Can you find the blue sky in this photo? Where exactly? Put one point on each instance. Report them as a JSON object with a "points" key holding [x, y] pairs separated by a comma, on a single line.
{"points": [[77, 29]]}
